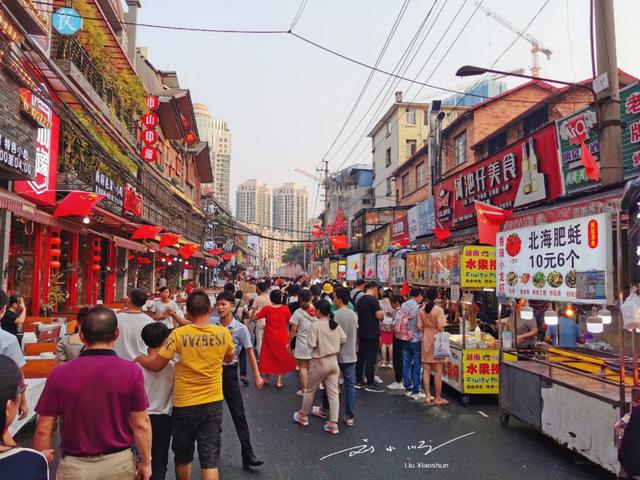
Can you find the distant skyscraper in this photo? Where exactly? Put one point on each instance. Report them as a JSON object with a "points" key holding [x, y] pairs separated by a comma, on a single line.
{"points": [[253, 203], [216, 132], [290, 208]]}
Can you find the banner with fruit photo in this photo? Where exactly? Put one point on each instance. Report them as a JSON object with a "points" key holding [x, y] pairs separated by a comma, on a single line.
{"points": [[568, 261]]}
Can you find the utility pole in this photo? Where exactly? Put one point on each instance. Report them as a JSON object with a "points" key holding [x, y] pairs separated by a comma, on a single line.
{"points": [[611, 170], [325, 217]]}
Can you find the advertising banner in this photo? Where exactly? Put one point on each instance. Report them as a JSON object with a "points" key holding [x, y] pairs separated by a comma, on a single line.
{"points": [[478, 267], [382, 268], [521, 174], [354, 266], [370, 266], [396, 271], [333, 270], [378, 240], [481, 369], [400, 231], [421, 218], [568, 261], [342, 269], [444, 267], [417, 268]]}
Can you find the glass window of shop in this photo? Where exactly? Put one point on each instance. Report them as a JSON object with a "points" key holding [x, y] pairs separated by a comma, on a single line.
{"points": [[21, 259]]}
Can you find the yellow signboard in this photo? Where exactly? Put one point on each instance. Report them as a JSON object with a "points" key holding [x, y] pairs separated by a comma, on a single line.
{"points": [[478, 269], [481, 370], [333, 270]]}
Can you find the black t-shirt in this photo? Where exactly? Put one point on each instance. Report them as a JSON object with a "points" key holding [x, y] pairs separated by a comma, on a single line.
{"points": [[23, 463], [368, 324], [9, 322], [293, 306]]}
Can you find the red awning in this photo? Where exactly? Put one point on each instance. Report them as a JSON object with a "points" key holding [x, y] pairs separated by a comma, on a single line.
{"points": [[112, 220], [17, 205], [130, 244]]}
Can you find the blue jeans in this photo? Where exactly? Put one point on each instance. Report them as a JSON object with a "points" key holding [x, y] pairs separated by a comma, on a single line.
{"points": [[349, 376], [412, 366]]}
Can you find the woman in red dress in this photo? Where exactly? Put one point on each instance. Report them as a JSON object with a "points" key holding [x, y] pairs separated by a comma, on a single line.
{"points": [[275, 357]]}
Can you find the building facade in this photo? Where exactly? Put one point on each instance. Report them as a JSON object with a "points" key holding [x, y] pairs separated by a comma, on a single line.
{"points": [[253, 203], [350, 190], [216, 132], [290, 205]]}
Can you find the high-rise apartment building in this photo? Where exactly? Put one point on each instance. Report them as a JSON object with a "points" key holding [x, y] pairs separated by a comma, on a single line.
{"points": [[216, 133], [290, 208], [253, 203]]}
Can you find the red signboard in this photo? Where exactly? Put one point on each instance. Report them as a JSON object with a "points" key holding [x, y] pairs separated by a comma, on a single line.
{"points": [[524, 173], [400, 231], [149, 154], [133, 202], [152, 102], [150, 120], [149, 137]]}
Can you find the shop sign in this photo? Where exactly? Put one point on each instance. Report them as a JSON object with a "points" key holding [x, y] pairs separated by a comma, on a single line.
{"points": [[546, 262], [42, 189], [378, 240], [133, 201], [370, 266], [342, 269], [444, 267], [149, 137], [149, 154], [417, 268], [581, 126], [66, 21], [354, 266], [396, 271], [150, 120], [15, 157], [152, 102], [34, 108], [481, 369], [105, 185], [422, 218], [400, 231], [521, 174], [333, 270], [382, 268], [478, 267], [452, 372]]}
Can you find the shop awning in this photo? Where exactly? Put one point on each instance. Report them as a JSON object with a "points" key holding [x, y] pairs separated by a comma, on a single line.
{"points": [[111, 220], [198, 255], [130, 244], [17, 205], [169, 251]]}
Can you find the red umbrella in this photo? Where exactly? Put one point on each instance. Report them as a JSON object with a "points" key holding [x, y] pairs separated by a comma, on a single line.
{"points": [[146, 231], [77, 203]]}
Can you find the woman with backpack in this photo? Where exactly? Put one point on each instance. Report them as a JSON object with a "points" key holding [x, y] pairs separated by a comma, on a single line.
{"points": [[432, 320]]}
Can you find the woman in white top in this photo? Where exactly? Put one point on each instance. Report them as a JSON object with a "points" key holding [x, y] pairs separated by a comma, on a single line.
{"points": [[16, 462], [301, 321]]}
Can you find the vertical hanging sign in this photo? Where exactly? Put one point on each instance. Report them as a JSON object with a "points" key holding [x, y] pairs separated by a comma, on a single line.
{"points": [[150, 120]]}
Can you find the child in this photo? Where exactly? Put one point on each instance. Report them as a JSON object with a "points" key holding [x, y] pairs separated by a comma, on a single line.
{"points": [[159, 387], [396, 302], [386, 331]]}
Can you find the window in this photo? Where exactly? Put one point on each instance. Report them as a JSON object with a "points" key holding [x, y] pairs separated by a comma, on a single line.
{"points": [[461, 148], [366, 201], [536, 120], [497, 143], [388, 186], [405, 185], [388, 157], [411, 116], [420, 176], [411, 148]]}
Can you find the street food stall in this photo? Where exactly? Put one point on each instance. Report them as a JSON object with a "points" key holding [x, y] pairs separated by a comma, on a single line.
{"points": [[574, 395]]}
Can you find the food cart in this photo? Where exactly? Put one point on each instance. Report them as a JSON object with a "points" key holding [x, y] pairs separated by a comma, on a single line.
{"points": [[573, 395]]}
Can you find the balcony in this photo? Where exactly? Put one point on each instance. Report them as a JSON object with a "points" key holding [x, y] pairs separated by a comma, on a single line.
{"points": [[77, 63]]}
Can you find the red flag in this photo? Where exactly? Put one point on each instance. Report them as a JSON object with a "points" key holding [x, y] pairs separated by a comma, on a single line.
{"points": [[339, 242], [227, 256], [168, 239], [146, 231], [187, 250], [490, 219], [215, 251], [77, 203], [442, 233], [404, 291], [589, 162]]}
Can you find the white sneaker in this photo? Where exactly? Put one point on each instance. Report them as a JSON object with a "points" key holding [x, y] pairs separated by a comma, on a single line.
{"points": [[407, 393], [378, 380], [395, 386], [418, 396]]}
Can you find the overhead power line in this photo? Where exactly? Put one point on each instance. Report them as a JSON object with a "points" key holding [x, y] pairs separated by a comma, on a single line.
{"points": [[296, 19]]}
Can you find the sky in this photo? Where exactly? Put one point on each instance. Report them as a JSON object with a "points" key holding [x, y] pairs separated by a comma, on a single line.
{"points": [[285, 100]]}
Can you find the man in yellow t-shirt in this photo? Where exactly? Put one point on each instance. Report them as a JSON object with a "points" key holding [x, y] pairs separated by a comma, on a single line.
{"points": [[197, 389]]}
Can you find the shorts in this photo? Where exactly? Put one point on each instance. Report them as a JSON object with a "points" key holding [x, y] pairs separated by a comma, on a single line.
{"points": [[201, 424]]}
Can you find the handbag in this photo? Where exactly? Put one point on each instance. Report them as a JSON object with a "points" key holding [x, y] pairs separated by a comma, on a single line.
{"points": [[441, 348]]}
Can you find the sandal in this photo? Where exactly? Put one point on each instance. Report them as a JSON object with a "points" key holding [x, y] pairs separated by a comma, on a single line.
{"points": [[429, 400], [279, 385], [318, 412], [441, 403]]}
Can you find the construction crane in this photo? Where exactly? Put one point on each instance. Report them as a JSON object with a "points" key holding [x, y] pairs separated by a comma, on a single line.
{"points": [[309, 175], [469, 85], [536, 45]]}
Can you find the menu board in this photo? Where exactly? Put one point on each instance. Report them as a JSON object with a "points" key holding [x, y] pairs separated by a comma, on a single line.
{"points": [[478, 267], [370, 265], [417, 268], [444, 267], [354, 266], [396, 271], [546, 261], [382, 268]]}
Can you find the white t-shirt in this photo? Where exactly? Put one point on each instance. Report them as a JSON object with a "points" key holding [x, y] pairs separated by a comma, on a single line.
{"points": [[159, 387], [303, 320], [160, 307], [129, 344]]}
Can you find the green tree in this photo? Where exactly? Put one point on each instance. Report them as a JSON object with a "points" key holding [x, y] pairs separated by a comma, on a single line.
{"points": [[294, 254]]}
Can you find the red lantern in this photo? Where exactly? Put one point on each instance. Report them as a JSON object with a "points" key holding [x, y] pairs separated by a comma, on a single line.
{"points": [[149, 154], [149, 137], [55, 252], [55, 241], [95, 268], [150, 120], [96, 258], [191, 138], [152, 102], [55, 265]]}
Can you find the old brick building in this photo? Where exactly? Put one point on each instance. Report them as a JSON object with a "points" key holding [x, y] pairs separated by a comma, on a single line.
{"points": [[413, 179]]}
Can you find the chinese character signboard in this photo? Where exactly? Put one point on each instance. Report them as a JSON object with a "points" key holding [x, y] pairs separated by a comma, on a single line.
{"points": [[400, 231], [481, 370], [421, 218], [382, 268], [452, 371], [524, 173], [444, 267], [15, 158], [342, 269], [545, 261], [333, 270], [105, 185], [66, 21], [134, 204], [396, 271], [417, 268], [354, 266], [478, 267], [370, 266]]}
